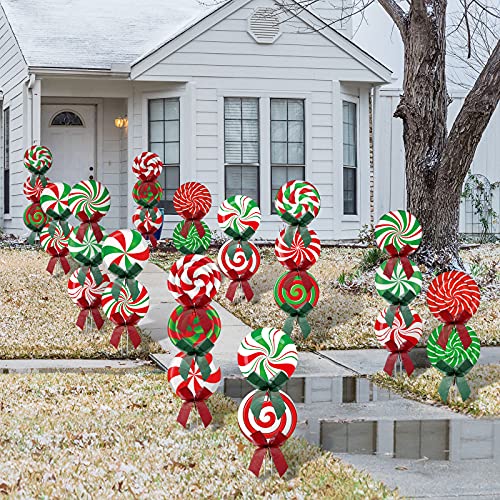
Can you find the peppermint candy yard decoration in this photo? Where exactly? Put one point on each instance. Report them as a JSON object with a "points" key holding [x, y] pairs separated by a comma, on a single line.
{"points": [[55, 242], [38, 160], [296, 255], [189, 241], [298, 203], [54, 201], [34, 219], [453, 348], [267, 417], [398, 280], [239, 217], [33, 191], [147, 166], [147, 221]]}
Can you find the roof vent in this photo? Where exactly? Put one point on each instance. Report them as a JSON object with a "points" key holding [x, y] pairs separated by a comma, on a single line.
{"points": [[264, 25]]}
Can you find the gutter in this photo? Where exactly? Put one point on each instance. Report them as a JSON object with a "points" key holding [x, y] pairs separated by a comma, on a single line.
{"points": [[118, 71]]}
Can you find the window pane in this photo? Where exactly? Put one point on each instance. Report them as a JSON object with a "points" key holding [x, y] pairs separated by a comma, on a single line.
{"points": [[250, 108], [156, 109], [156, 132], [250, 152], [172, 131], [172, 178], [278, 178], [232, 108], [170, 181], [233, 152], [278, 109], [172, 153], [295, 153], [158, 148], [296, 131], [232, 130], [250, 130], [295, 109], [242, 180], [233, 181], [295, 174], [278, 152], [278, 131], [172, 111], [350, 191]]}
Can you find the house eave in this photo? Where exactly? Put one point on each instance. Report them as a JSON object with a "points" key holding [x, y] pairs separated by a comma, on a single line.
{"points": [[114, 72]]}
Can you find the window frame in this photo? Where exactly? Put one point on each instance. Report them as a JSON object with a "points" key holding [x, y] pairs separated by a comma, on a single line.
{"points": [[6, 161], [356, 102]]}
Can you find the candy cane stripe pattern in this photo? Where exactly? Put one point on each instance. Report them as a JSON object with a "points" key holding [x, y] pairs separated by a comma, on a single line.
{"points": [[192, 200], [398, 285], [298, 198], [54, 200], [239, 216], [124, 249], [403, 337], [126, 308], [38, 159], [147, 166], [267, 423], [87, 252], [194, 382], [185, 324], [89, 200], [238, 267], [297, 255], [151, 220], [194, 280], [34, 192], [89, 293], [267, 352], [454, 293], [54, 244], [396, 230]]}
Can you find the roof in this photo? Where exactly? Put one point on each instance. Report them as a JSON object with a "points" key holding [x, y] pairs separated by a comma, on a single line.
{"points": [[96, 34]]}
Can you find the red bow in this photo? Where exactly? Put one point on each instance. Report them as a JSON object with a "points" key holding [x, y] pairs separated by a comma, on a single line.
{"points": [[401, 256], [290, 277], [197, 224], [152, 239], [459, 324], [264, 447], [128, 328], [395, 352], [197, 400], [82, 317], [245, 286], [95, 229], [62, 259]]}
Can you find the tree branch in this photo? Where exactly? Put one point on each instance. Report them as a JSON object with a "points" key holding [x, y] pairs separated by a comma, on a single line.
{"points": [[472, 120], [397, 14]]}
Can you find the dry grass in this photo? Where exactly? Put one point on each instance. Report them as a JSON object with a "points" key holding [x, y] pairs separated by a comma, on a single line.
{"points": [[484, 381], [103, 436], [37, 317]]}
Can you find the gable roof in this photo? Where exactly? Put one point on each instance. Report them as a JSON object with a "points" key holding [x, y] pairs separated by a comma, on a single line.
{"points": [[95, 34]]}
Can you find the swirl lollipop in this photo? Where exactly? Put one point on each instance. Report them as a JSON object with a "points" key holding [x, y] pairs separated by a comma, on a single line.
{"points": [[88, 250], [33, 187], [55, 243], [194, 280], [147, 222], [147, 193], [237, 267], [398, 288], [87, 296], [295, 254], [192, 201], [398, 233], [54, 202], [38, 160], [296, 293], [147, 166], [125, 309], [34, 218], [239, 217], [267, 431], [298, 202], [189, 241]]}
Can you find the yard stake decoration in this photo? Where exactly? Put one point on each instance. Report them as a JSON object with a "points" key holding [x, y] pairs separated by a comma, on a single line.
{"points": [[147, 193], [125, 301], [297, 248], [267, 417], [453, 348], [398, 280], [239, 217]]}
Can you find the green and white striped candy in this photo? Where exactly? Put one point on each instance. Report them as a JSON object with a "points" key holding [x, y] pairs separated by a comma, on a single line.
{"points": [[87, 252], [192, 243], [89, 200], [239, 217], [398, 284], [396, 230], [455, 353]]}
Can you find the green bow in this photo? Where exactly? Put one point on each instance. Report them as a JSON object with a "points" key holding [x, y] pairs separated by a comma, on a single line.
{"points": [[270, 389], [94, 270], [303, 221], [247, 249], [300, 315], [400, 303], [246, 235], [197, 353], [290, 233], [454, 376]]}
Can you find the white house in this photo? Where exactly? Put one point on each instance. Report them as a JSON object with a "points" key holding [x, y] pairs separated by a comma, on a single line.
{"points": [[229, 95]]}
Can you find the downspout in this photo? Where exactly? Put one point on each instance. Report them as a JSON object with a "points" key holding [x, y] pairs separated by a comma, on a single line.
{"points": [[375, 109], [30, 83]]}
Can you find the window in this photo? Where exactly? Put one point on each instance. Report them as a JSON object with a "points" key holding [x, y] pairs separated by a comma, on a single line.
{"points": [[164, 140], [350, 157], [287, 143], [6, 161], [66, 119], [241, 146]]}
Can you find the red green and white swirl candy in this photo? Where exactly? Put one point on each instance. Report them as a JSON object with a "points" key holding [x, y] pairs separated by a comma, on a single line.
{"points": [[192, 242], [147, 220], [297, 255], [398, 337], [398, 232], [398, 288], [38, 159], [54, 200], [268, 423], [239, 217], [89, 293], [88, 250], [53, 239], [35, 219], [267, 355], [147, 193], [194, 280], [453, 296], [189, 325], [125, 252], [89, 201], [147, 166], [298, 202], [33, 187], [192, 201]]}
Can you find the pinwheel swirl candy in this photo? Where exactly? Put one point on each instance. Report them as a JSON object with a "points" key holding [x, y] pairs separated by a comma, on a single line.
{"points": [[398, 286], [194, 280], [34, 218], [398, 232], [398, 337], [297, 255], [147, 166], [54, 200], [54, 241], [239, 217], [88, 251], [192, 242], [89, 200], [192, 201], [298, 202], [32, 188], [38, 159], [147, 193], [147, 220]]}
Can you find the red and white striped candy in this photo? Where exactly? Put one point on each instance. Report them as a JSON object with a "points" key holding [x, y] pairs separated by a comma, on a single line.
{"points": [[57, 243], [125, 309], [238, 267], [33, 193], [399, 335], [147, 166], [90, 293], [54, 200], [297, 255], [192, 200], [150, 222]]}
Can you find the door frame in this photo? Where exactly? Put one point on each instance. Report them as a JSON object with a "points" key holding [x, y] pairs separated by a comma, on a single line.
{"points": [[99, 123]]}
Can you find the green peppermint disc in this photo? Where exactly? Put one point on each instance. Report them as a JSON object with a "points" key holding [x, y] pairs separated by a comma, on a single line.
{"points": [[397, 230], [455, 353], [192, 242], [398, 285]]}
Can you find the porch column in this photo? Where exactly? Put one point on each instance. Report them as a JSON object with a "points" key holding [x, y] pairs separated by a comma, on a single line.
{"points": [[36, 103], [337, 167]]}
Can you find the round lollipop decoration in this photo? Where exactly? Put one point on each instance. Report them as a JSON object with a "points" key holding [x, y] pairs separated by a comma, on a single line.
{"points": [[453, 348], [38, 160], [147, 193], [297, 248], [54, 201], [55, 243], [267, 417], [398, 280], [35, 219]]}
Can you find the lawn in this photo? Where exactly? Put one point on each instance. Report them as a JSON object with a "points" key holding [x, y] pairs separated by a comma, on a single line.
{"points": [[37, 317], [100, 436], [345, 314], [484, 381]]}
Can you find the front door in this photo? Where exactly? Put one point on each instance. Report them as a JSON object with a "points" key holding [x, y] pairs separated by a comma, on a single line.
{"points": [[69, 131]]}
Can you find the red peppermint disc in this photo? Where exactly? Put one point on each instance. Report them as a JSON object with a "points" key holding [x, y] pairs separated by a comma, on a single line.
{"points": [[398, 337], [89, 293], [238, 267], [453, 294], [192, 200], [297, 255], [194, 382], [147, 166], [34, 192], [129, 308], [147, 220], [53, 240]]}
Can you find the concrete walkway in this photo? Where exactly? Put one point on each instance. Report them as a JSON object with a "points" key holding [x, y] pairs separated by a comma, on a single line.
{"points": [[70, 365]]}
